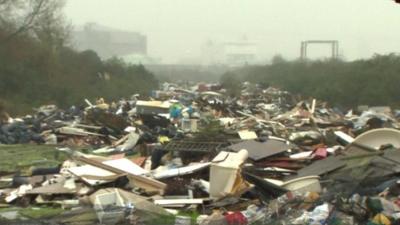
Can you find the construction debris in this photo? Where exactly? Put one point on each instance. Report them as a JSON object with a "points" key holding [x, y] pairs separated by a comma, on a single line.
{"points": [[193, 155]]}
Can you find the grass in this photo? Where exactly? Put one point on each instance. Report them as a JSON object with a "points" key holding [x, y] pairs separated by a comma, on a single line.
{"points": [[34, 212], [9, 209], [86, 216], [15, 158], [192, 214], [40, 213]]}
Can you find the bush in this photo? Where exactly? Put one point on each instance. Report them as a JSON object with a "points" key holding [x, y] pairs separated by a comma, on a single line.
{"points": [[374, 81]]}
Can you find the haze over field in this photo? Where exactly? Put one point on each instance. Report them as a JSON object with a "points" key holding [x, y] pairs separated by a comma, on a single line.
{"points": [[177, 29]]}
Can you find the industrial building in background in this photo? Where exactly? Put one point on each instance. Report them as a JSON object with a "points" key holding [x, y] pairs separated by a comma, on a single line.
{"points": [[232, 53], [240, 52], [109, 42]]}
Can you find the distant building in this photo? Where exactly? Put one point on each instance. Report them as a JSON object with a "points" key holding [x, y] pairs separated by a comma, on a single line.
{"points": [[141, 59], [232, 53], [109, 42], [212, 53], [240, 53]]}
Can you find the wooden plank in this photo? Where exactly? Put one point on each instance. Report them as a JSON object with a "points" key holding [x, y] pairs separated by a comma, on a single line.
{"points": [[148, 184]]}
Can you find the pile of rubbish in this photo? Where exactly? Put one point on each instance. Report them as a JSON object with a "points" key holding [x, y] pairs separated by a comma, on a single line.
{"points": [[191, 154]]}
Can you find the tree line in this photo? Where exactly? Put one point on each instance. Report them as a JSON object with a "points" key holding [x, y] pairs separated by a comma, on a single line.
{"points": [[38, 65], [374, 81]]}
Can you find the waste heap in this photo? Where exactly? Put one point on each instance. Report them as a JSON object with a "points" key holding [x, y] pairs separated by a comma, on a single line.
{"points": [[190, 154]]}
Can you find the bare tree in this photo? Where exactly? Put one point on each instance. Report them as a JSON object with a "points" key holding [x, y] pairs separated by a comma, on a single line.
{"points": [[21, 16], [51, 27]]}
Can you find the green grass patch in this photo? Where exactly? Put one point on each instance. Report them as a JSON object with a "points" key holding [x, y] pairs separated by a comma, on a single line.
{"points": [[40, 213], [21, 157]]}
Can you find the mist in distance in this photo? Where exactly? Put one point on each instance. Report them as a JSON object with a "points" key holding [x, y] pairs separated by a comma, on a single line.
{"points": [[181, 31]]}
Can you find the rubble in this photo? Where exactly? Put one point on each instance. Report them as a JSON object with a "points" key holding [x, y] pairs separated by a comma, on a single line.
{"points": [[192, 155]]}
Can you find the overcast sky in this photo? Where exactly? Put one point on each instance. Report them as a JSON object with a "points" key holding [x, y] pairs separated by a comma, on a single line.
{"points": [[176, 29]]}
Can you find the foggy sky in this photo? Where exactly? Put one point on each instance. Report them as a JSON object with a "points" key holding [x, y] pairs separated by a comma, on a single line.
{"points": [[176, 29]]}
